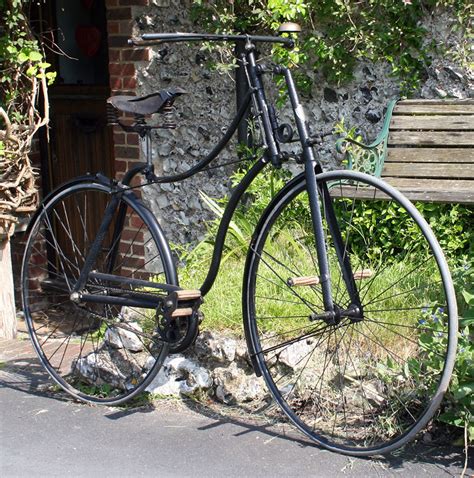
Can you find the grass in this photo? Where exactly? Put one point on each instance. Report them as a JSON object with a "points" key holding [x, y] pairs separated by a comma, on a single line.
{"points": [[223, 308]]}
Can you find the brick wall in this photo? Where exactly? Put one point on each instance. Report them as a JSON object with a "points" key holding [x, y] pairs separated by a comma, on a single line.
{"points": [[123, 73], [123, 62]]}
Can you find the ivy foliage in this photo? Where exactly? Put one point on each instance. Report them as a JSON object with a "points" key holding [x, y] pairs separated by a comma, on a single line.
{"points": [[338, 32], [24, 77], [21, 58]]}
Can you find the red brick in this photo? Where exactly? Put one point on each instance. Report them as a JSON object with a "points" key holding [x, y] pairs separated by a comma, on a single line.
{"points": [[111, 3], [115, 83], [132, 138], [138, 250], [121, 13], [113, 27], [119, 69], [125, 152], [132, 235], [119, 138], [125, 27], [114, 55], [135, 222], [136, 55], [120, 166], [129, 83]]}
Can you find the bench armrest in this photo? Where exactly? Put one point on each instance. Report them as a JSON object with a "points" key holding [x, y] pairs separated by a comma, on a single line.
{"points": [[367, 158]]}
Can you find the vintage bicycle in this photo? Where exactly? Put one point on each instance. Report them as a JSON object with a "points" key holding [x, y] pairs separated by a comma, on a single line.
{"points": [[339, 322]]}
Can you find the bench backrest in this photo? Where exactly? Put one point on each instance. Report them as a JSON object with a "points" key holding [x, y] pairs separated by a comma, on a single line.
{"points": [[430, 150]]}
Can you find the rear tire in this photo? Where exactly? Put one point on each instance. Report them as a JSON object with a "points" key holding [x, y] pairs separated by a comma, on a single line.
{"points": [[358, 387], [98, 353]]}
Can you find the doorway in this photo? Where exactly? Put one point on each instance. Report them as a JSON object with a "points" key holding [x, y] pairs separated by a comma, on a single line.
{"points": [[80, 141]]}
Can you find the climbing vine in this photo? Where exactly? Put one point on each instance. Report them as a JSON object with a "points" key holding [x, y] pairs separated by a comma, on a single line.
{"points": [[338, 32], [23, 83]]}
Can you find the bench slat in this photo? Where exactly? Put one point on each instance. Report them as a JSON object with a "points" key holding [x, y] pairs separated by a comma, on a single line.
{"points": [[435, 122], [429, 138], [431, 155], [435, 170], [420, 101], [430, 109], [461, 197]]}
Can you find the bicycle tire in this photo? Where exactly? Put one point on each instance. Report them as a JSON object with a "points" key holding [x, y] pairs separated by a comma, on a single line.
{"points": [[98, 353], [356, 387]]}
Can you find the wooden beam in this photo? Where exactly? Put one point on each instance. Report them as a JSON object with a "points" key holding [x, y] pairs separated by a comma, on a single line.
{"points": [[435, 122], [443, 190], [432, 170], [432, 109], [429, 138], [431, 155]]}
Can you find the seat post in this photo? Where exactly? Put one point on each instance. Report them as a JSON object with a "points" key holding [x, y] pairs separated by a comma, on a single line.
{"points": [[148, 150]]}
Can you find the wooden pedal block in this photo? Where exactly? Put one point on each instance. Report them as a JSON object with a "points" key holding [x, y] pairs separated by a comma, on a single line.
{"points": [[363, 274], [303, 281], [188, 294], [182, 312]]}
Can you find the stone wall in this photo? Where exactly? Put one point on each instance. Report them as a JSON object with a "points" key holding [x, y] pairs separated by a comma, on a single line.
{"points": [[203, 113]]}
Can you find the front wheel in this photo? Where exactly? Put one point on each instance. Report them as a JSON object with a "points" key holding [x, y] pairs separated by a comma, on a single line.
{"points": [[98, 352], [359, 383]]}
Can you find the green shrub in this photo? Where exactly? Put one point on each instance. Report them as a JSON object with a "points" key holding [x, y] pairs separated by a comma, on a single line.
{"points": [[458, 406], [452, 225], [336, 33]]}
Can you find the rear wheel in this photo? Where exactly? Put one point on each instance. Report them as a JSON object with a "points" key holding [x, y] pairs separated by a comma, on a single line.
{"points": [[99, 353], [367, 380]]}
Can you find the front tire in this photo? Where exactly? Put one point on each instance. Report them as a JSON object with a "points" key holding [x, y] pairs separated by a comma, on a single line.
{"points": [[358, 387]]}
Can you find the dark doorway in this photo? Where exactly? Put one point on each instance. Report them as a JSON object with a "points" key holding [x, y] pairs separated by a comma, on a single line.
{"points": [[80, 140]]}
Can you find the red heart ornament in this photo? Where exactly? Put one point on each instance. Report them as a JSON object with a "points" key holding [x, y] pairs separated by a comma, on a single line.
{"points": [[88, 39]]}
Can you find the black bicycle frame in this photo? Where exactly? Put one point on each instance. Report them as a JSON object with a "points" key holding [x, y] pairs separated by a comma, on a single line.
{"points": [[312, 168]]}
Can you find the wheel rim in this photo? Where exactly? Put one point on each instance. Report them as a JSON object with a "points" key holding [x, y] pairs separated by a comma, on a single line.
{"points": [[96, 352], [355, 386]]}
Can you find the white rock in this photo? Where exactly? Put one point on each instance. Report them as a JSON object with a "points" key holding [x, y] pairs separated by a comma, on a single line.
{"points": [[234, 385], [119, 337], [180, 376], [218, 348], [296, 355]]}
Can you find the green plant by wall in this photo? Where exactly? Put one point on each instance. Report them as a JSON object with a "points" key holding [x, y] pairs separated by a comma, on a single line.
{"points": [[458, 405], [23, 81], [338, 32]]}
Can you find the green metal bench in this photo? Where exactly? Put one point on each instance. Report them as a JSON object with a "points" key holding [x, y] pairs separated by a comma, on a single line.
{"points": [[425, 149]]}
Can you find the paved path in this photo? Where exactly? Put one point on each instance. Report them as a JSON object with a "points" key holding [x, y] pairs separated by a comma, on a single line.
{"points": [[50, 435]]}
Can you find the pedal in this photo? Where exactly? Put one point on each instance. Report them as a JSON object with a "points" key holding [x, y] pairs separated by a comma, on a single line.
{"points": [[303, 281], [188, 294], [363, 274], [181, 312]]}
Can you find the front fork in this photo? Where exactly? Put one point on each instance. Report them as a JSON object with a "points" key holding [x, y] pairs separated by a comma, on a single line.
{"points": [[319, 193], [333, 313]]}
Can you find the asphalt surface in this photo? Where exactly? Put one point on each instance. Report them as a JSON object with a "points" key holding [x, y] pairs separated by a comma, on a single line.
{"points": [[44, 434]]}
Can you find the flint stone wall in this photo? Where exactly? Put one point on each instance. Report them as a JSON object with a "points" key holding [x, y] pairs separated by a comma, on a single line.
{"points": [[204, 113]]}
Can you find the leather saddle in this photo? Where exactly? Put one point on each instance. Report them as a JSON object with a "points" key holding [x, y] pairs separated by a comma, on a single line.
{"points": [[145, 105]]}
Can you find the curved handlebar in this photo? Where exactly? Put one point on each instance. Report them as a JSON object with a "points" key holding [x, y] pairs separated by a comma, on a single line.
{"points": [[156, 38]]}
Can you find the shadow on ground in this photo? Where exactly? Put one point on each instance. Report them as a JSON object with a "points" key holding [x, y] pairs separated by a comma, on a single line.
{"points": [[27, 375]]}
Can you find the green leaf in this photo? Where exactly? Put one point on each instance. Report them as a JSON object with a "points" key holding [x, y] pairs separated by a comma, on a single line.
{"points": [[468, 297], [464, 390], [35, 56], [22, 57]]}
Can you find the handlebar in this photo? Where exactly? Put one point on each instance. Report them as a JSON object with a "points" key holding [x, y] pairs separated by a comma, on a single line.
{"points": [[157, 38]]}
